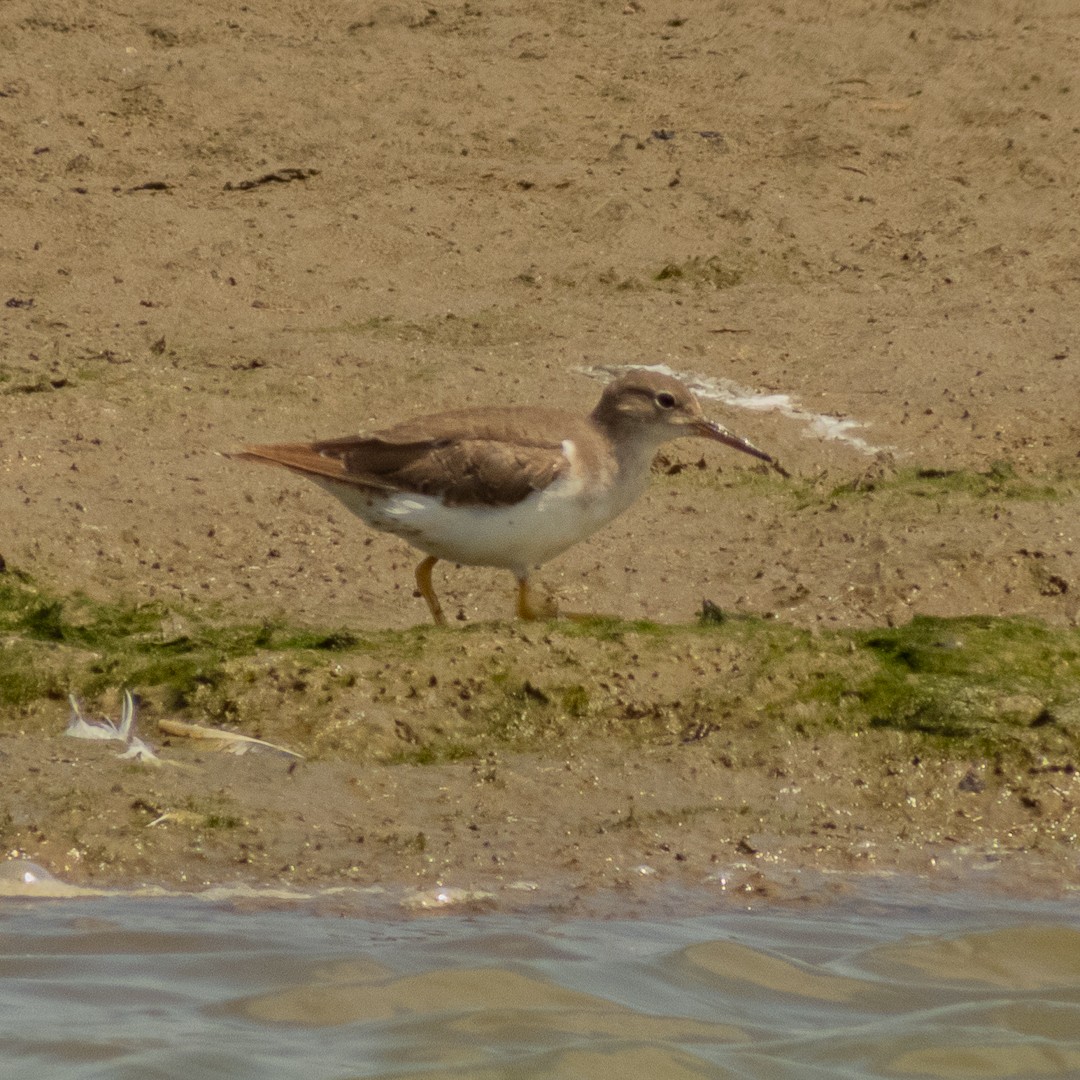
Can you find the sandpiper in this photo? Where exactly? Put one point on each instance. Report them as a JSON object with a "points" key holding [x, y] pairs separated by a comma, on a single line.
{"points": [[506, 487]]}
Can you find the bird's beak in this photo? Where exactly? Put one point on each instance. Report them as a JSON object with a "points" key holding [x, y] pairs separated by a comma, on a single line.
{"points": [[708, 430]]}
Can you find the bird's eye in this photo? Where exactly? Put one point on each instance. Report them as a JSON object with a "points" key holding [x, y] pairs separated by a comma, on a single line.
{"points": [[665, 400]]}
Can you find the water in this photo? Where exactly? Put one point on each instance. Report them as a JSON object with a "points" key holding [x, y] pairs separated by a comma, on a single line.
{"points": [[884, 984]]}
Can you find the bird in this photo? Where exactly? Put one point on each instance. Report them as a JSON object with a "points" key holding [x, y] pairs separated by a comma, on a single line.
{"points": [[508, 487]]}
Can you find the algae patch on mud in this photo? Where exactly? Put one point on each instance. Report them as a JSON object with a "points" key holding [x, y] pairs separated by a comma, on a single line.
{"points": [[981, 686]]}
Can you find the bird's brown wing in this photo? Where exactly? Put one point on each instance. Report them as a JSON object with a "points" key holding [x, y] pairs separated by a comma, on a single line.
{"points": [[463, 472], [477, 459]]}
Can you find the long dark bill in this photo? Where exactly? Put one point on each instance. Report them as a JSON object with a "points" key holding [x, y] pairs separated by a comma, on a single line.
{"points": [[708, 430]]}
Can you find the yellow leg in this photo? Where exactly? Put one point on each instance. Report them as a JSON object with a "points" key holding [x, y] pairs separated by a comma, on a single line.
{"points": [[423, 583], [547, 609], [525, 608]]}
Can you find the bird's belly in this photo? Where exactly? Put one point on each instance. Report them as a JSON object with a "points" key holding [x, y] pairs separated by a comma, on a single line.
{"points": [[515, 538]]}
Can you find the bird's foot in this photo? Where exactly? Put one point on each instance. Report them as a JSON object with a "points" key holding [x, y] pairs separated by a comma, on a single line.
{"points": [[584, 616], [528, 608]]}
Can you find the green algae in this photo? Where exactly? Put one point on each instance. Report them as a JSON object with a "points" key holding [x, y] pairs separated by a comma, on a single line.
{"points": [[975, 685]]}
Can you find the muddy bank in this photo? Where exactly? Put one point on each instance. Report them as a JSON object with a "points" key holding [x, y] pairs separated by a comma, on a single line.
{"points": [[556, 759], [851, 227]]}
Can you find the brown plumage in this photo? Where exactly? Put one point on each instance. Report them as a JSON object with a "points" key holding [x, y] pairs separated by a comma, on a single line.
{"points": [[468, 457]]}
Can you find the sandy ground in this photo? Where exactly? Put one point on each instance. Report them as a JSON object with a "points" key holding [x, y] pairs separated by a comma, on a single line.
{"points": [[857, 222]]}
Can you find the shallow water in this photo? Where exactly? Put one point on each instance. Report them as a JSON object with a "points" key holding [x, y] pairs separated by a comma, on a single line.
{"points": [[890, 984]]}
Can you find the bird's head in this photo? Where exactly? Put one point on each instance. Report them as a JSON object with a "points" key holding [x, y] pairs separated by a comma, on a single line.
{"points": [[649, 406]]}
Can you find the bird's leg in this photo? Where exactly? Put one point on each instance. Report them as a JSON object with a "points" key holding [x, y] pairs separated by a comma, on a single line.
{"points": [[547, 609], [423, 583], [525, 607]]}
